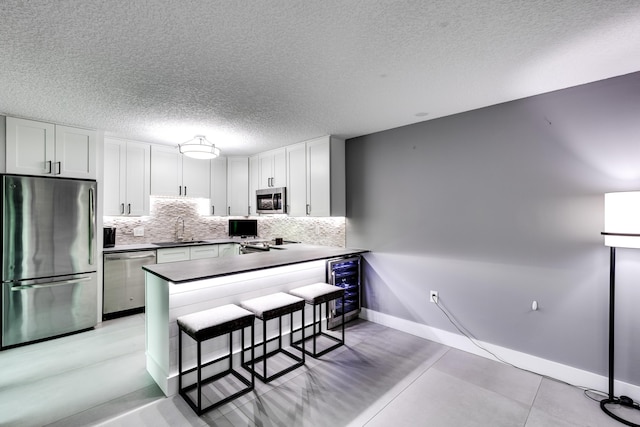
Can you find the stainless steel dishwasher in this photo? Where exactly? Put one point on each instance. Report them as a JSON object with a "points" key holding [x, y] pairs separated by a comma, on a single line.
{"points": [[123, 280]]}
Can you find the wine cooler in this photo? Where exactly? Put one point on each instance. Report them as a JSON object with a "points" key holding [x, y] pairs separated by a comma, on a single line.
{"points": [[345, 273]]}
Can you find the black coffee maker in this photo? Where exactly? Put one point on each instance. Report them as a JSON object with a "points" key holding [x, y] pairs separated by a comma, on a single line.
{"points": [[109, 237]]}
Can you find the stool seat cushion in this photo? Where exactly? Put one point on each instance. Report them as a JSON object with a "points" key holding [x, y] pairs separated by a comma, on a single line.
{"points": [[318, 293], [274, 305], [215, 321]]}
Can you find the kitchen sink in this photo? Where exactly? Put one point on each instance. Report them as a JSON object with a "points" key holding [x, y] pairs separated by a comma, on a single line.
{"points": [[182, 243]]}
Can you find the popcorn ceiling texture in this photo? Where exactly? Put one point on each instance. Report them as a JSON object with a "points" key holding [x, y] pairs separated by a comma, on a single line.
{"points": [[255, 75], [167, 215]]}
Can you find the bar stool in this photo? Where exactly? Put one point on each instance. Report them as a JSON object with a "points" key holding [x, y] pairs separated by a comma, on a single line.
{"points": [[203, 326], [267, 308], [315, 295]]}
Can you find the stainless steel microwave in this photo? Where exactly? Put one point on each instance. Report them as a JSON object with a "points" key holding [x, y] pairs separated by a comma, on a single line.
{"points": [[271, 200]]}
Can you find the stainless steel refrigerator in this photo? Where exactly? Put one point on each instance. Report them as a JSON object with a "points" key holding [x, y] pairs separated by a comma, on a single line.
{"points": [[49, 279]]}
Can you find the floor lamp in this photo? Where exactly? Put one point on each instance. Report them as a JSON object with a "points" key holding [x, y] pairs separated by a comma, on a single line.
{"points": [[621, 230]]}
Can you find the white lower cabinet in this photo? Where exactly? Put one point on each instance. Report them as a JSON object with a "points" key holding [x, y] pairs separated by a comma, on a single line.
{"points": [[229, 249], [186, 253], [200, 252], [181, 253]]}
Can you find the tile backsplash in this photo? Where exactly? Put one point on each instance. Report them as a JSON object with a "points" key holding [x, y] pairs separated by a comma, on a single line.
{"points": [[167, 215]]}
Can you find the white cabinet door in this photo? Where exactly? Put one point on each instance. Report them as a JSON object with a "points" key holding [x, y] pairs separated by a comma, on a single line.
{"points": [[201, 252], [75, 153], [173, 254], [254, 182], [173, 174], [166, 171], [228, 249], [218, 187], [265, 162], [30, 147], [326, 177], [238, 186], [272, 168], [114, 186], [138, 178], [196, 176], [318, 174], [36, 148], [126, 177], [297, 179], [279, 168]]}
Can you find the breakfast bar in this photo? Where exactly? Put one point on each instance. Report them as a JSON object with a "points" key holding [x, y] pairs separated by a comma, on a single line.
{"points": [[179, 288]]}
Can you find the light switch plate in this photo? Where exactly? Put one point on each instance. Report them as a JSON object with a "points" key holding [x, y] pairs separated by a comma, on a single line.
{"points": [[138, 231]]}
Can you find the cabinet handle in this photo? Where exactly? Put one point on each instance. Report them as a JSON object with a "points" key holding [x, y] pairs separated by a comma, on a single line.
{"points": [[229, 210], [47, 166], [185, 190], [129, 208], [180, 190], [122, 208], [308, 208], [58, 167], [213, 210]]}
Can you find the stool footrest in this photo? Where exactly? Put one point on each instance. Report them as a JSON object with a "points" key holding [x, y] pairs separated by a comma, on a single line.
{"points": [[265, 377], [184, 392]]}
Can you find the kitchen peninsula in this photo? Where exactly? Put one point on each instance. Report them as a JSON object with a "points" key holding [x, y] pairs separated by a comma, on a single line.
{"points": [[179, 288]]}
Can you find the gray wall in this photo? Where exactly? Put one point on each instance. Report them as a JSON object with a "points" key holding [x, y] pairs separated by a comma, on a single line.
{"points": [[497, 207]]}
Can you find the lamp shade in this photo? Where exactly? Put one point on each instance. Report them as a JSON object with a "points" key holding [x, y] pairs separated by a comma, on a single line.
{"points": [[199, 148], [622, 216]]}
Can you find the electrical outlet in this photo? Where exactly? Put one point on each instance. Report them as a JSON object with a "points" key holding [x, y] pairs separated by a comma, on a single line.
{"points": [[433, 297]]}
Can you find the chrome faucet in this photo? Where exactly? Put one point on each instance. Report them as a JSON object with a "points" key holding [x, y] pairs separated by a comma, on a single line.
{"points": [[181, 238]]}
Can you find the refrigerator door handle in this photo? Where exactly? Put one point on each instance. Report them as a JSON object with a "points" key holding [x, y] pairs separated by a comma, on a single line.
{"points": [[22, 287], [92, 225]]}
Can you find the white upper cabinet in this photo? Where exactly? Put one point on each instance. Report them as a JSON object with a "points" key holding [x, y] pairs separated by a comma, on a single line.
{"points": [[272, 168], [127, 174], [173, 174], [316, 178], [254, 182], [297, 179], [326, 177], [218, 186], [37, 148], [238, 186]]}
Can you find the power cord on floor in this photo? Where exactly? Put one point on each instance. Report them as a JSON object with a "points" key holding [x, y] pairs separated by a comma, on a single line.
{"points": [[587, 391]]}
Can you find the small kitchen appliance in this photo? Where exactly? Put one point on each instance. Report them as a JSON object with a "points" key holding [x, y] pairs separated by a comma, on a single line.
{"points": [[345, 273], [109, 237], [271, 200]]}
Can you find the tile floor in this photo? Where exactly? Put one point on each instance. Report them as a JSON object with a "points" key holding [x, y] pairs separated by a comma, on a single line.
{"points": [[382, 377]]}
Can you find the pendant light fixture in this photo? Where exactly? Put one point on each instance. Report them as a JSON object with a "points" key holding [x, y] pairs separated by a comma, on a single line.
{"points": [[199, 148]]}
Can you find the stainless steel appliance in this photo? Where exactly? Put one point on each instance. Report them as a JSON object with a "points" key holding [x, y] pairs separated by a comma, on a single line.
{"points": [[124, 282], [344, 272], [271, 200], [49, 279]]}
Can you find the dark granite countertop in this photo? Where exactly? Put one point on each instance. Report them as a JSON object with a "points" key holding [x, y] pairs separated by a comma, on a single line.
{"points": [[189, 271], [151, 246]]}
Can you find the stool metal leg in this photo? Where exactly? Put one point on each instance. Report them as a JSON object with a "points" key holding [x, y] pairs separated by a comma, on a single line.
{"points": [[264, 349], [199, 379], [179, 360]]}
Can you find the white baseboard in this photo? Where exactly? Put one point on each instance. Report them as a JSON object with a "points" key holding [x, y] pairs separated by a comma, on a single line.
{"points": [[569, 374]]}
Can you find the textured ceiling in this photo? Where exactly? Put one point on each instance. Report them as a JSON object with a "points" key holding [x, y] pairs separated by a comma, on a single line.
{"points": [[254, 75]]}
